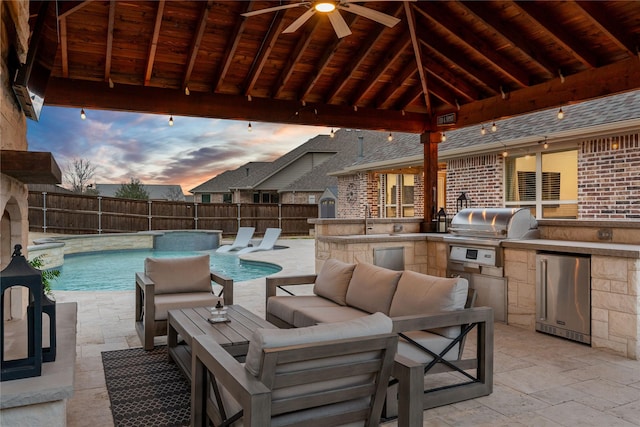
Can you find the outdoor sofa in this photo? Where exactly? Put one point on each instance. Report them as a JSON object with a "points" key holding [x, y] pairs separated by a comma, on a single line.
{"points": [[432, 316]]}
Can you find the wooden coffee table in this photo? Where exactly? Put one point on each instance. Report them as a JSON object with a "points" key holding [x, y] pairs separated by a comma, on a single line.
{"points": [[233, 335]]}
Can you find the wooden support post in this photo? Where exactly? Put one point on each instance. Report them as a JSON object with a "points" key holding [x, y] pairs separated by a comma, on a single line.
{"points": [[430, 141]]}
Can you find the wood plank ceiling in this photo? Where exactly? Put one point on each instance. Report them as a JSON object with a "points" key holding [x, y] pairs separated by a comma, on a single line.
{"points": [[481, 60]]}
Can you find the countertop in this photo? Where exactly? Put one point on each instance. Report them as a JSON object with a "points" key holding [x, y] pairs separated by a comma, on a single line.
{"points": [[590, 248]]}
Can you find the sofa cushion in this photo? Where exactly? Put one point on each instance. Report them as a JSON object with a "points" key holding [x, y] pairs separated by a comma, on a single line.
{"points": [[165, 302], [372, 287], [184, 274], [284, 307], [434, 342], [373, 324], [418, 293], [309, 316], [333, 280]]}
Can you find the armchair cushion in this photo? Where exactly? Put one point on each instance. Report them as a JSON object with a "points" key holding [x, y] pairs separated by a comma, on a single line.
{"points": [[418, 293], [333, 280], [373, 324], [165, 302], [176, 275], [372, 287]]}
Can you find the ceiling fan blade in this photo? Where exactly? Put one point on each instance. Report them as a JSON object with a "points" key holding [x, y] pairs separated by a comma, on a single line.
{"points": [[372, 14], [339, 25], [273, 9], [300, 21]]}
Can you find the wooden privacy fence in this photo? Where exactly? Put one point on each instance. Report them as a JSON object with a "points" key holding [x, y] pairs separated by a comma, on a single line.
{"points": [[80, 214]]}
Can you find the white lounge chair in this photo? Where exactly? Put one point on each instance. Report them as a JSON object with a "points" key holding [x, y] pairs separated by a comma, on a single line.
{"points": [[241, 241], [268, 241]]}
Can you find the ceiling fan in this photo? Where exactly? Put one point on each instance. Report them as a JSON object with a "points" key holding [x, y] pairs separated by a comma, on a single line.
{"points": [[330, 8]]}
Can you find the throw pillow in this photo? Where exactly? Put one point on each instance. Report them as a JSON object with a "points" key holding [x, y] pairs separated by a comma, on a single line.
{"points": [[333, 280], [372, 287]]}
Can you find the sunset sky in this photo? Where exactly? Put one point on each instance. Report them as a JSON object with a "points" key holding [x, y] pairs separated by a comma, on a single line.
{"points": [[143, 146]]}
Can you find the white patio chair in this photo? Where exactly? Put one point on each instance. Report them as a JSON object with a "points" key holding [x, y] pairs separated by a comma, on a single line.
{"points": [[268, 242], [241, 241]]}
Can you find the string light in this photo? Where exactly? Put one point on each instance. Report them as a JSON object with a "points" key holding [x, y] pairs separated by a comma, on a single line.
{"points": [[494, 127], [332, 134], [483, 131], [390, 137], [443, 137], [249, 128], [504, 153], [83, 116], [560, 114], [614, 145], [187, 91], [111, 84], [546, 145], [171, 121]]}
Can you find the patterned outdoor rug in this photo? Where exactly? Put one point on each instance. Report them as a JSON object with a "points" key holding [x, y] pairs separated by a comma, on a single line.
{"points": [[145, 389]]}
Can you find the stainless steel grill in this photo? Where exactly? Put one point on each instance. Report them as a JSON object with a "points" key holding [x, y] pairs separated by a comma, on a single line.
{"points": [[475, 250]]}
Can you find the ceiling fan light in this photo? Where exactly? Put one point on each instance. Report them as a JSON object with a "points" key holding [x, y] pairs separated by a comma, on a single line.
{"points": [[325, 7]]}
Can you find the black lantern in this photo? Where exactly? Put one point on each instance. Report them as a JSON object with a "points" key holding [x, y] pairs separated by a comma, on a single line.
{"points": [[441, 221], [19, 273], [462, 202]]}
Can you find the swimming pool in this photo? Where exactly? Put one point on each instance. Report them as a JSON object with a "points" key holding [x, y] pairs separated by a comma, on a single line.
{"points": [[115, 270]]}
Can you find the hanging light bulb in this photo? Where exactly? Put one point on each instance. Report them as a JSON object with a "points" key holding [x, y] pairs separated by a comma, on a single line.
{"points": [[249, 128], [443, 137], [483, 131], [332, 134], [504, 153], [546, 145], [614, 145], [560, 114], [390, 137], [83, 116], [111, 84], [494, 127], [187, 91], [171, 121]]}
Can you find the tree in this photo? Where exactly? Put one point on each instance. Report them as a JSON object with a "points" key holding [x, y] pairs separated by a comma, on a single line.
{"points": [[133, 190], [78, 173]]}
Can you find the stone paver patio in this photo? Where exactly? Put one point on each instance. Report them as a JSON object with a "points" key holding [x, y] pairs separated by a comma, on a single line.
{"points": [[539, 380]]}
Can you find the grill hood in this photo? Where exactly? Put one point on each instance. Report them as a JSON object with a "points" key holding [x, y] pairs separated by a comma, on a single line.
{"points": [[495, 223]]}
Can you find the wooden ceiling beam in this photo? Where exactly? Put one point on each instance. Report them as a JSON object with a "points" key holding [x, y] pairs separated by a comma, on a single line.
{"points": [[276, 27], [195, 44], [109, 52], [153, 45], [556, 30], [230, 50], [64, 48], [594, 83], [96, 95], [66, 8], [294, 57], [435, 15], [365, 50], [324, 61], [472, 72], [465, 92], [393, 53], [515, 38], [598, 15], [399, 83], [411, 22]]}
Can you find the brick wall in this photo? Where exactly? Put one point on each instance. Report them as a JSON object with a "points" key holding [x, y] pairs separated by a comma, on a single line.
{"points": [[354, 206], [480, 177], [609, 177]]}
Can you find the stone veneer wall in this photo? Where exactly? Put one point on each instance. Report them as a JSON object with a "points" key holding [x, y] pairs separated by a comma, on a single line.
{"points": [[609, 177], [480, 177], [615, 299]]}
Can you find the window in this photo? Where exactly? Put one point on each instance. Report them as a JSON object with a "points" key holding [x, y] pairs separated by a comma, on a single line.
{"points": [[206, 198], [546, 183], [227, 198], [398, 195]]}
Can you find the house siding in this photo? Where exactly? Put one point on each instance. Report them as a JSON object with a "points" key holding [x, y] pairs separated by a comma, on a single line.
{"points": [[480, 177], [609, 177]]}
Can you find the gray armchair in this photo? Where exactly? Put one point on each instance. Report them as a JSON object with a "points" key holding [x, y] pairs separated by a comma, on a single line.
{"points": [[325, 375], [172, 283]]}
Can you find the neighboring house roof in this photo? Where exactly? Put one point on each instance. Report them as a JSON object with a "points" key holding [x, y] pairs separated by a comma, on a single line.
{"points": [[341, 150], [156, 191], [585, 119]]}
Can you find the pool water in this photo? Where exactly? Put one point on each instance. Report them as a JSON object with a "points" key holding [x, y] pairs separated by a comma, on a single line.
{"points": [[115, 270]]}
